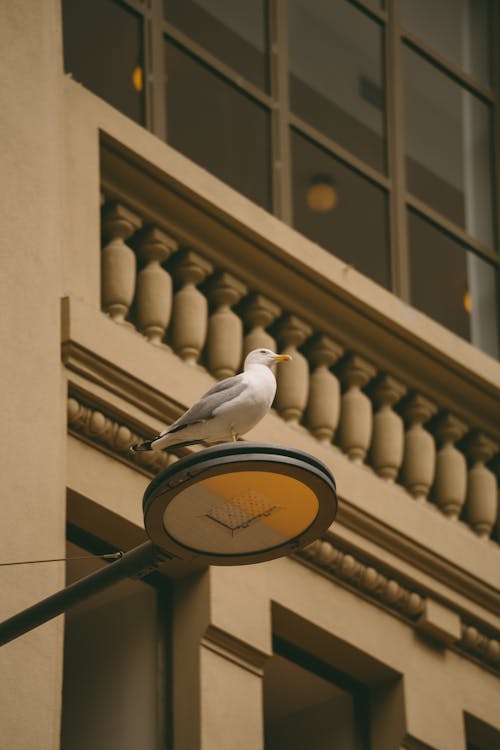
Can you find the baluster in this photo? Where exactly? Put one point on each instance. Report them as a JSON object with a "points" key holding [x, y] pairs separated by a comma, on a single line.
{"points": [[388, 431], [153, 297], [188, 330], [118, 263], [419, 460], [356, 420], [323, 408], [450, 484], [225, 329], [482, 495], [293, 378], [258, 312], [495, 466]]}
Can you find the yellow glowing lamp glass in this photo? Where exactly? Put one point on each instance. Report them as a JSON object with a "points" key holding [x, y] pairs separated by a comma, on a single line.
{"points": [[241, 512], [137, 78]]}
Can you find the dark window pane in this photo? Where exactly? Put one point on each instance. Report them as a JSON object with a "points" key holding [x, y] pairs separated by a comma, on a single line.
{"points": [[103, 51], [448, 140], [220, 128], [456, 29], [453, 285], [232, 30], [353, 223], [336, 74]]}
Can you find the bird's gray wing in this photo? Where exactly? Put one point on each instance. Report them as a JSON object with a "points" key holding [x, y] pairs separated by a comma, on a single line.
{"points": [[204, 409]]}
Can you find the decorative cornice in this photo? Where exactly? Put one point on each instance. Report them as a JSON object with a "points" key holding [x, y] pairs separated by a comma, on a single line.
{"points": [[97, 370], [90, 424], [365, 578], [482, 646], [437, 567], [395, 596]]}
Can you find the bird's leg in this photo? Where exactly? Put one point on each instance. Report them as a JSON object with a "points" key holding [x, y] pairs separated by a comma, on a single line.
{"points": [[233, 435]]}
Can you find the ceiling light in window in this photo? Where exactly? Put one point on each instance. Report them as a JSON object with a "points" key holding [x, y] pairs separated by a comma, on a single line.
{"points": [[322, 194], [468, 302], [137, 81]]}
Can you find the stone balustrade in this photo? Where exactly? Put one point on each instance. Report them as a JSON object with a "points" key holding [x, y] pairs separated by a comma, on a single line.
{"points": [[175, 297]]}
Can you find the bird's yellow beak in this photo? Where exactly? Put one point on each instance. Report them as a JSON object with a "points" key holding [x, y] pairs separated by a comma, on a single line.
{"points": [[282, 358]]}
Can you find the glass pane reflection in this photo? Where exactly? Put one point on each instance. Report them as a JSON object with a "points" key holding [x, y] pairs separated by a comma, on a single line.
{"points": [[448, 137], [340, 210], [456, 29], [103, 51], [232, 30], [218, 127], [453, 285], [336, 74]]}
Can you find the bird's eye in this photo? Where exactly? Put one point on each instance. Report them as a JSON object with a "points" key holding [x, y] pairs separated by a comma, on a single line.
{"points": [[263, 351]]}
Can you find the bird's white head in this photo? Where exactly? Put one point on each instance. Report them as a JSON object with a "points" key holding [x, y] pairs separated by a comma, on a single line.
{"points": [[264, 357]]}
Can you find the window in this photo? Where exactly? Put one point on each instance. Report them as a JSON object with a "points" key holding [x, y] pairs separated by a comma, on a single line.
{"points": [[370, 126], [104, 50], [480, 736], [114, 684], [308, 704]]}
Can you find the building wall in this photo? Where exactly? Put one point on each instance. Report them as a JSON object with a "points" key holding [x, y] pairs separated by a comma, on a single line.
{"points": [[32, 393], [397, 595]]}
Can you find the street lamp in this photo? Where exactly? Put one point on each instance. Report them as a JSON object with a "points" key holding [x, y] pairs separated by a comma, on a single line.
{"points": [[232, 504]]}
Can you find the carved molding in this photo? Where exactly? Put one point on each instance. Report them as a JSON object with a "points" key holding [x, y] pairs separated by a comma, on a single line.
{"points": [[482, 646], [351, 570], [396, 596], [90, 423]]}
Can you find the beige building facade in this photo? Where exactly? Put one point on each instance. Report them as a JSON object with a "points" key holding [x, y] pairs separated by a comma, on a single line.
{"points": [[131, 279]]}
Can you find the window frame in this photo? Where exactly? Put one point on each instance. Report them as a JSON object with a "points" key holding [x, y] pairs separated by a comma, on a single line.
{"points": [[395, 38]]}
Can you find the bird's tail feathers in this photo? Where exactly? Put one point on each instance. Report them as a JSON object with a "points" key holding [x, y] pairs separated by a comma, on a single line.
{"points": [[146, 446]]}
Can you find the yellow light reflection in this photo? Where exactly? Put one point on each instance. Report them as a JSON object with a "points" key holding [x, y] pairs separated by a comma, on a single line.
{"points": [[137, 79], [468, 302]]}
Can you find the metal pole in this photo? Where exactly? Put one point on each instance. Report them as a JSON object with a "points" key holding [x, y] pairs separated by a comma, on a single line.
{"points": [[139, 561]]}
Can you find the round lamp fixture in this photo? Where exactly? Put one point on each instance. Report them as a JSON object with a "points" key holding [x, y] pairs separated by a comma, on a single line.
{"points": [[322, 195], [240, 503], [232, 504]]}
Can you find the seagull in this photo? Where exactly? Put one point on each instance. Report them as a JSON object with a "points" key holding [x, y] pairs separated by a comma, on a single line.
{"points": [[228, 410]]}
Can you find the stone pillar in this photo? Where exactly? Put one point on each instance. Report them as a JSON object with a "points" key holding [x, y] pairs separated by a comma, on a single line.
{"points": [[258, 312], [293, 379], [118, 262], [356, 421], [188, 330], [221, 634], [420, 451], [225, 329], [323, 407], [450, 484], [481, 504], [388, 431], [153, 297]]}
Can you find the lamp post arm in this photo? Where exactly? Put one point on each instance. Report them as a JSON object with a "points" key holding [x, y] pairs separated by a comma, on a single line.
{"points": [[135, 563]]}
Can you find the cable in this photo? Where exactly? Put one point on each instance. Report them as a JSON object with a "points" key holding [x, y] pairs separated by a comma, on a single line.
{"points": [[110, 556]]}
